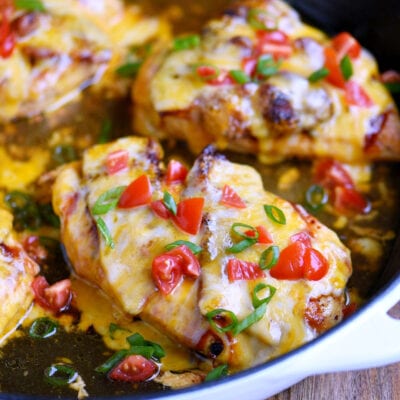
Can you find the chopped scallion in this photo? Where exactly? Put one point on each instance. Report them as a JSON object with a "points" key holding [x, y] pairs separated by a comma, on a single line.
{"points": [[242, 245], [257, 302], [228, 318], [318, 74], [43, 328], [269, 257], [194, 248], [63, 153], [105, 131], [129, 69], [267, 66], [102, 227], [239, 76], [169, 202], [251, 319], [217, 373], [316, 197], [245, 231], [260, 20], [346, 67], [29, 5], [114, 328], [275, 214], [107, 201], [60, 374], [186, 42]]}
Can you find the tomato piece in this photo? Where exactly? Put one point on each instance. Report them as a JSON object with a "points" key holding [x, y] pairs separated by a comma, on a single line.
{"points": [[290, 264], [330, 173], [134, 368], [166, 271], [264, 237], [356, 95], [207, 72], [159, 209], [349, 199], [231, 198], [303, 237], [7, 36], [117, 161], [346, 44], [189, 262], [316, 265], [332, 64], [56, 298], [176, 172], [276, 43], [137, 193], [224, 78], [243, 270], [189, 214]]}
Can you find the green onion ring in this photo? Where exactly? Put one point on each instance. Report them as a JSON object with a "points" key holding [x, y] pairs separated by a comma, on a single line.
{"points": [[269, 257], [242, 245], [251, 319], [218, 312], [107, 201], [217, 373], [257, 302], [43, 328], [275, 214], [194, 248], [60, 374], [316, 197]]}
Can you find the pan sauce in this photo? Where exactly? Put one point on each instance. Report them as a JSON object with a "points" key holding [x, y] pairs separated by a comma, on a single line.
{"points": [[80, 341]]}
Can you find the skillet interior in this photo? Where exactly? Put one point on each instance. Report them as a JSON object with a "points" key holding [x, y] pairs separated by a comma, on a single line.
{"points": [[377, 30]]}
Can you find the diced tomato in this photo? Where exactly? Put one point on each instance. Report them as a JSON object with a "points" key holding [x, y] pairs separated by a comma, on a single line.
{"points": [[134, 368], [166, 271], [346, 44], [243, 270], [303, 237], [159, 209], [224, 78], [55, 298], [316, 265], [264, 237], [189, 262], [332, 64], [207, 72], [117, 161], [231, 198], [176, 172], [290, 264], [189, 214], [356, 95], [137, 193], [349, 199], [330, 173], [276, 43], [7, 36]]}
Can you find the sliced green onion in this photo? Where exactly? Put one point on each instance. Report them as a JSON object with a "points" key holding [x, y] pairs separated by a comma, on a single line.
{"points": [[346, 67], [275, 214], [107, 201], [114, 328], [194, 248], [239, 76], [251, 319], [64, 153], [221, 313], [129, 69], [102, 227], [186, 42], [269, 257], [257, 302], [60, 374], [111, 362], [29, 5], [169, 202], [260, 20], [238, 227], [242, 245], [217, 373], [393, 87], [267, 66], [318, 74], [316, 197], [137, 340], [105, 131], [43, 328]]}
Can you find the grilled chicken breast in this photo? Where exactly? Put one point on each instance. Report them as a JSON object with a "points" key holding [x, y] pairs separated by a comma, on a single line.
{"points": [[122, 212], [17, 271], [261, 81], [48, 56]]}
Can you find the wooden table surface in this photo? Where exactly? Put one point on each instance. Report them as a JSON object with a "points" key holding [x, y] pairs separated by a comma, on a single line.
{"points": [[372, 384]]}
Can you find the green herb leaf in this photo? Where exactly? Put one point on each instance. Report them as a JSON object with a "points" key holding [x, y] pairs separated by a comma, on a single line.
{"points": [[194, 248], [242, 245], [29, 5], [318, 74], [102, 227], [267, 66], [222, 315], [239, 76], [111, 362], [269, 257], [43, 328], [261, 20], [186, 42], [257, 302], [114, 328], [129, 69], [60, 374], [316, 197], [107, 201], [105, 131], [217, 373], [169, 202], [275, 214], [346, 67]]}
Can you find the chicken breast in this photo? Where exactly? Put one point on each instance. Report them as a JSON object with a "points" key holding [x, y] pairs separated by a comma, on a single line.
{"points": [[258, 80], [119, 226], [17, 271], [51, 52]]}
